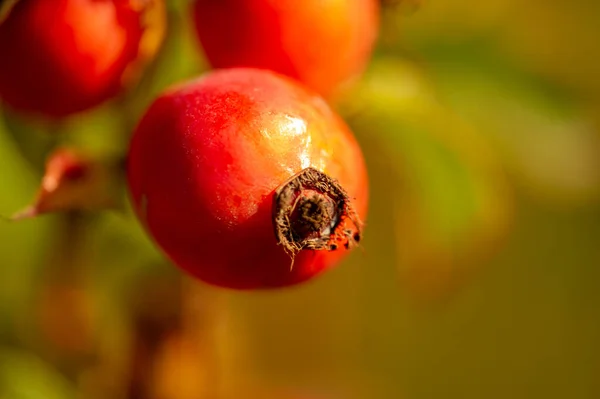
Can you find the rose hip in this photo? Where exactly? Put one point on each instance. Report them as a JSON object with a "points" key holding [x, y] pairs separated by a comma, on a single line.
{"points": [[64, 56], [247, 180], [322, 43]]}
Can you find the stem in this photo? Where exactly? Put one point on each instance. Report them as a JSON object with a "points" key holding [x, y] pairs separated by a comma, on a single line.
{"points": [[203, 311], [174, 350], [155, 319], [62, 308]]}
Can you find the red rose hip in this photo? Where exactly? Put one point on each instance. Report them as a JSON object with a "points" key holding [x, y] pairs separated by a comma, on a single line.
{"points": [[59, 57], [240, 172], [322, 43]]}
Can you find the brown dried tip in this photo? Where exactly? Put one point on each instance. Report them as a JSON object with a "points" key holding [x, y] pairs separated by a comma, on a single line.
{"points": [[313, 211]]}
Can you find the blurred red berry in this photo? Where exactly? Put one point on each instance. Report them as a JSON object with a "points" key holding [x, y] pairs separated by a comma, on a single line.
{"points": [[322, 43], [64, 56], [224, 168]]}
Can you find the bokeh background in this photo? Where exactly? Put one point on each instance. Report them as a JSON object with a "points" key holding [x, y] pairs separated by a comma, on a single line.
{"points": [[479, 273]]}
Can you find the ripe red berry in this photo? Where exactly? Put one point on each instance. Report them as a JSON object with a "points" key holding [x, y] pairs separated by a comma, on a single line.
{"points": [[223, 168], [322, 43], [64, 56]]}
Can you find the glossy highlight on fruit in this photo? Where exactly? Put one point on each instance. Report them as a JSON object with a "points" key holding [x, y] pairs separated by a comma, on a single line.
{"points": [[59, 57], [321, 43], [210, 161]]}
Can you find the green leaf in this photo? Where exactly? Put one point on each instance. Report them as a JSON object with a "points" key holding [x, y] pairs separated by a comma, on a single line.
{"points": [[453, 203], [550, 146], [24, 376], [23, 242]]}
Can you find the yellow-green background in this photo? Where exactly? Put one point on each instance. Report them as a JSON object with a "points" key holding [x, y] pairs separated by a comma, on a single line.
{"points": [[480, 268]]}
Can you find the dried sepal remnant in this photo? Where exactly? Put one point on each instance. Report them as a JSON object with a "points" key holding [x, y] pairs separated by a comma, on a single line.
{"points": [[76, 181], [312, 211]]}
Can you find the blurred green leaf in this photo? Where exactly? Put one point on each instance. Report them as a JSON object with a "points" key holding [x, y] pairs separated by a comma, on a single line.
{"points": [[452, 203], [560, 45], [549, 145], [25, 376], [24, 244]]}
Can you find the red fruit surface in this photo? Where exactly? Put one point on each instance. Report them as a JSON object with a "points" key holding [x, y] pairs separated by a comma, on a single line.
{"points": [[59, 57], [206, 159], [322, 43]]}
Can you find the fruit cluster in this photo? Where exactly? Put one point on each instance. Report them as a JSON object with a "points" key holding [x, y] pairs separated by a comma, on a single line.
{"points": [[244, 177]]}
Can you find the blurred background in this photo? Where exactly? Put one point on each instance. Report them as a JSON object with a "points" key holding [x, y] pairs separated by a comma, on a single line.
{"points": [[480, 123]]}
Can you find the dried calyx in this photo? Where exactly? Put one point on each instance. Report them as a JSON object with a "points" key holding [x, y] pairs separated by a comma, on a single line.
{"points": [[312, 211]]}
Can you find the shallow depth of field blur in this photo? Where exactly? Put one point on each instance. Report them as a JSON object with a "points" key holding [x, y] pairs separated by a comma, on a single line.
{"points": [[480, 268]]}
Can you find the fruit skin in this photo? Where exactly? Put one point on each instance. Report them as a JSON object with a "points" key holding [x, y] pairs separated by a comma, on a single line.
{"points": [[206, 159], [64, 56], [322, 43]]}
